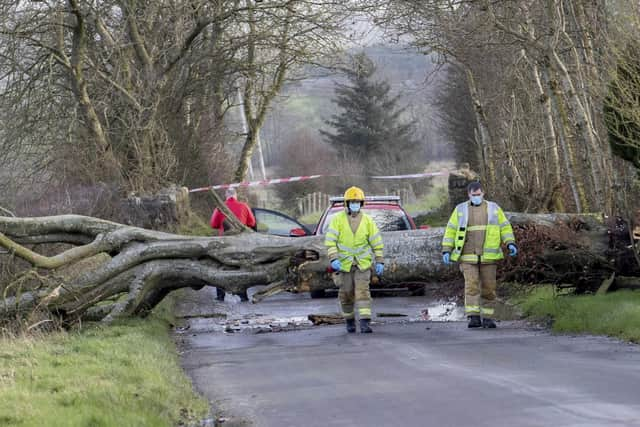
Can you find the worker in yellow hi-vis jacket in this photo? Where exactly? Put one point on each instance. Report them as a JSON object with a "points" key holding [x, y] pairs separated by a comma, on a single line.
{"points": [[353, 241], [473, 236]]}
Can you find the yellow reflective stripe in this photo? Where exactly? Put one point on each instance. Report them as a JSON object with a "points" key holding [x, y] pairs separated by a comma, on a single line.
{"points": [[330, 239], [469, 257], [331, 230], [364, 311], [492, 251], [508, 236], [452, 226], [477, 228], [472, 308], [504, 224], [378, 254], [348, 315], [374, 237], [487, 310]]}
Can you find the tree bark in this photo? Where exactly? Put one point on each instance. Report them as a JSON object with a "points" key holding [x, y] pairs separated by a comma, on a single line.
{"points": [[133, 269]]}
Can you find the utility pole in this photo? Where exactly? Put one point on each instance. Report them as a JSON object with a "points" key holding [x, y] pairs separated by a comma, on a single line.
{"points": [[245, 127], [261, 157]]}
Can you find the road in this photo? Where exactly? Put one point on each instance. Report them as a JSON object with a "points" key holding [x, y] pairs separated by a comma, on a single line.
{"points": [[407, 373]]}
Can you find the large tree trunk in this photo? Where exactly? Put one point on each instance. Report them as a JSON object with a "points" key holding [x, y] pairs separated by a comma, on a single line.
{"points": [[134, 268]]}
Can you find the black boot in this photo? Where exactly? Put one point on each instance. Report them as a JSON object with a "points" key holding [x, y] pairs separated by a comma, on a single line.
{"points": [[474, 322], [488, 323], [364, 326], [243, 296], [351, 325], [220, 294]]}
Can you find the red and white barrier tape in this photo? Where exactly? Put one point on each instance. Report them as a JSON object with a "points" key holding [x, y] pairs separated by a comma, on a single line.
{"points": [[308, 177]]}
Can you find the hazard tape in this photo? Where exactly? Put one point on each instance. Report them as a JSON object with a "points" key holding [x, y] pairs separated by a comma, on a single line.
{"points": [[308, 177], [413, 175]]}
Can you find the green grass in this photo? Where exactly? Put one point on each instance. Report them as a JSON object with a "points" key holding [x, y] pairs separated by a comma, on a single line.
{"points": [[125, 374], [194, 225], [311, 218], [432, 201], [616, 314]]}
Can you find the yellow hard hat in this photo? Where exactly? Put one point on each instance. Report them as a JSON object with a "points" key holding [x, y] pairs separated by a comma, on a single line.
{"points": [[354, 193]]}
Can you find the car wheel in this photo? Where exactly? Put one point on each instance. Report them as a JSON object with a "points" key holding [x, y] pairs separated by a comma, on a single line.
{"points": [[319, 293]]}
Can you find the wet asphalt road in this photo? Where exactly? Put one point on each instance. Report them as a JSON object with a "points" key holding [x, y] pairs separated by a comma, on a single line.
{"points": [[407, 373]]}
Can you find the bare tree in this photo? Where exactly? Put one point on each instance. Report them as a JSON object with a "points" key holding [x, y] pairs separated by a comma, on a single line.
{"points": [[282, 37], [547, 151]]}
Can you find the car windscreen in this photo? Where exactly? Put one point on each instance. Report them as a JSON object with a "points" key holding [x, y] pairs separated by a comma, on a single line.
{"points": [[276, 223], [385, 219]]}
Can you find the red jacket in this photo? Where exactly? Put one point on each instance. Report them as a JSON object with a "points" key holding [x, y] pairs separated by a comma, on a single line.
{"points": [[239, 209]]}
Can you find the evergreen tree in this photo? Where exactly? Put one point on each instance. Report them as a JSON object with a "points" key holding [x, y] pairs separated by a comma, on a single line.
{"points": [[368, 127]]}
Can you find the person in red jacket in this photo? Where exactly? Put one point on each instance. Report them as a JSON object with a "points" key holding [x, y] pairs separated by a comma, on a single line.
{"points": [[242, 211], [239, 209]]}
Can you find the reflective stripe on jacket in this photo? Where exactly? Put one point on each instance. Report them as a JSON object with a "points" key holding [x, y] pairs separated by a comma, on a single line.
{"points": [[348, 247], [498, 229]]}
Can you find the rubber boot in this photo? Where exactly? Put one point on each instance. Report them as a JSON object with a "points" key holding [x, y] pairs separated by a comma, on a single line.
{"points": [[474, 322], [220, 294], [488, 323], [351, 325], [243, 296], [364, 326]]}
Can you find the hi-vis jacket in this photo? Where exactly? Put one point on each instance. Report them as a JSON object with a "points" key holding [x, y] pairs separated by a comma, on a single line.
{"points": [[498, 229], [348, 247]]}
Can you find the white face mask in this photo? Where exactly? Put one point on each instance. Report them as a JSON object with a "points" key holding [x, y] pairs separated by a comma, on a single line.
{"points": [[354, 206], [476, 200]]}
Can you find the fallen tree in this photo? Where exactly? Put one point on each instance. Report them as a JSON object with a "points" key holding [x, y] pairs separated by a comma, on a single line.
{"points": [[108, 270]]}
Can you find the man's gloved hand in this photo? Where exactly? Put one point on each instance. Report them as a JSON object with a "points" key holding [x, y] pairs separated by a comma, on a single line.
{"points": [[336, 265], [446, 258], [513, 249], [379, 268]]}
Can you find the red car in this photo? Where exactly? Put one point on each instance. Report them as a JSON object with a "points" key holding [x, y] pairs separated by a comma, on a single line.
{"points": [[386, 212]]}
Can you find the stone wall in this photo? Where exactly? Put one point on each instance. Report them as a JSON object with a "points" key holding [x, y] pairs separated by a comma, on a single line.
{"points": [[162, 211]]}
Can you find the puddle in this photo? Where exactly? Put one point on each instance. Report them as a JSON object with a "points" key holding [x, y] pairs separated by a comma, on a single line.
{"points": [[288, 315], [443, 312], [253, 323]]}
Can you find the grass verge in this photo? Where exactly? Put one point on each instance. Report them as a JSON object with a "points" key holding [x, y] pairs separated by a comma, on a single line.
{"points": [[125, 374], [430, 202], [615, 314]]}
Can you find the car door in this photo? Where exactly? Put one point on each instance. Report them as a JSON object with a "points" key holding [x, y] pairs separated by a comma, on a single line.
{"points": [[278, 224]]}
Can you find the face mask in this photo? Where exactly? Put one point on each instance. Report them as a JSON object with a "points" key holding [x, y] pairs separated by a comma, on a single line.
{"points": [[476, 200], [354, 206]]}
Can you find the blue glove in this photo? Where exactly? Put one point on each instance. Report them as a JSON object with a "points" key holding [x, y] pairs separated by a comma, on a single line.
{"points": [[379, 268], [513, 249], [336, 265], [446, 258]]}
